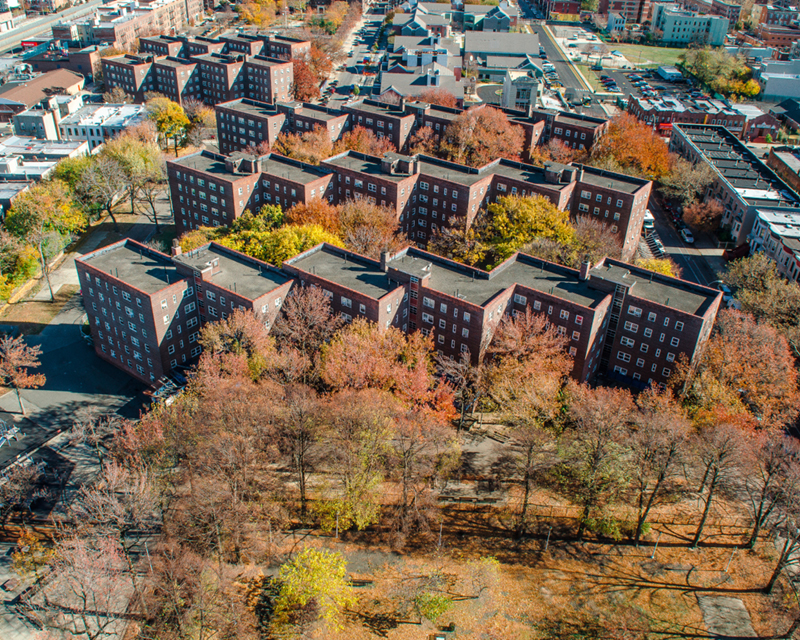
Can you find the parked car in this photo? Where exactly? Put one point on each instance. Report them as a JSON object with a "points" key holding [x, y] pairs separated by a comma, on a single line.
{"points": [[687, 236]]}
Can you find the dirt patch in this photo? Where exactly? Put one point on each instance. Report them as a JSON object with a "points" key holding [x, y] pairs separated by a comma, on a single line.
{"points": [[31, 316]]}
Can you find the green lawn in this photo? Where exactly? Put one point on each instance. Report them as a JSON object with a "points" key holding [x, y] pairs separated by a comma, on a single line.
{"points": [[641, 55]]}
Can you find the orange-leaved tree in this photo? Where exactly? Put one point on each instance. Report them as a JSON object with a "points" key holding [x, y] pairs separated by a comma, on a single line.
{"points": [[634, 146], [480, 135]]}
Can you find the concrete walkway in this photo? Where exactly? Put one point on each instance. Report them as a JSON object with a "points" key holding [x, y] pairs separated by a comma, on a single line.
{"points": [[726, 617]]}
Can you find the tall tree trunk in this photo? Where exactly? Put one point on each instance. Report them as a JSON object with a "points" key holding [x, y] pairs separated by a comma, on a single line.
{"points": [[110, 209], [712, 487], [301, 479], [584, 519], [45, 272], [155, 215], [643, 513], [133, 201], [19, 398], [526, 496], [785, 552]]}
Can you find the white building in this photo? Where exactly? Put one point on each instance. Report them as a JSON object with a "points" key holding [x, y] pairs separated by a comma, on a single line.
{"points": [[779, 80], [520, 90], [98, 123], [777, 233], [686, 27]]}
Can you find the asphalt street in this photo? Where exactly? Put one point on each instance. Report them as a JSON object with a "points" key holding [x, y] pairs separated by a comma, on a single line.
{"points": [[700, 262], [356, 52]]}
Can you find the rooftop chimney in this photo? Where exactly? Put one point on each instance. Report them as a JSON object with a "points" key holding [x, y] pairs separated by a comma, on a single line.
{"points": [[176, 248], [385, 257], [586, 266]]}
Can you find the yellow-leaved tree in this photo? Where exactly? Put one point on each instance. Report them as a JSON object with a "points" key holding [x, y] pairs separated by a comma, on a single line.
{"points": [[45, 217], [514, 221], [313, 585]]}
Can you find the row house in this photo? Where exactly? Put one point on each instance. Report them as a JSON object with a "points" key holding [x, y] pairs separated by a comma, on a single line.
{"points": [[145, 309], [209, 189], [777, 235], [742, 184]]}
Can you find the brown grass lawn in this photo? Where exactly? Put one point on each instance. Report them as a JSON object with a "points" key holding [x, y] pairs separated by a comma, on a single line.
{"points": [[32, 316]]}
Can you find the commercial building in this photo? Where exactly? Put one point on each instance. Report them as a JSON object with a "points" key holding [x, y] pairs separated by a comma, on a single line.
{"points": [[84, 60], [520, 89], [662, 113], [679, 27], [145, 308], [29, 159], [773, 35], [777, 234], [98, 123], [620, 320], [18, 95], [743, 184], [121, 23], [484, 49]]}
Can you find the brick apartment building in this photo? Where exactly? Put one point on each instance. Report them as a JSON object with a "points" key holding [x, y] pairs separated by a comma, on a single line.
{"points": [[145, 308], [120, 23], [425, 192], [785, 162], [247, 123], [629, 323], [209, 189], [631, 10], [384, 120], [211, 77]]}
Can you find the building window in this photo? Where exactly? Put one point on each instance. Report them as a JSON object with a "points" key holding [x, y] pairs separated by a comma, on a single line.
{"points": [[634, 311], [630, 326], [428, 302], [674, 342], [347, 303], [627, 342]]}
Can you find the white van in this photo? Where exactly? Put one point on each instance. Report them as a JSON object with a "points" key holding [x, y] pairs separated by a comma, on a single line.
{"points": [[649, 220]]}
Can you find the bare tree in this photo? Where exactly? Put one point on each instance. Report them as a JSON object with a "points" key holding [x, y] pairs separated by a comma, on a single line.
{"points": [[103, 183], [789, 528], [771, 479], [16, 358], [84, 594], [120, 502], [306, 321], [720, 449], [660, 431], [19, 485], [468, 379], [595, 467], [93, 429], [300, 425]]}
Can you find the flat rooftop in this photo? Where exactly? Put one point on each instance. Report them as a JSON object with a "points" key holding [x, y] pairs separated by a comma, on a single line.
{"points": [[320, 113], [585, 121], [385, 110], [237, 274], [480, 287], [293, 170], [345, 269], [369, 165], [137, 266], [209, 162], [617, 181], [672, 293], [245, 105], [173, 62]]}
